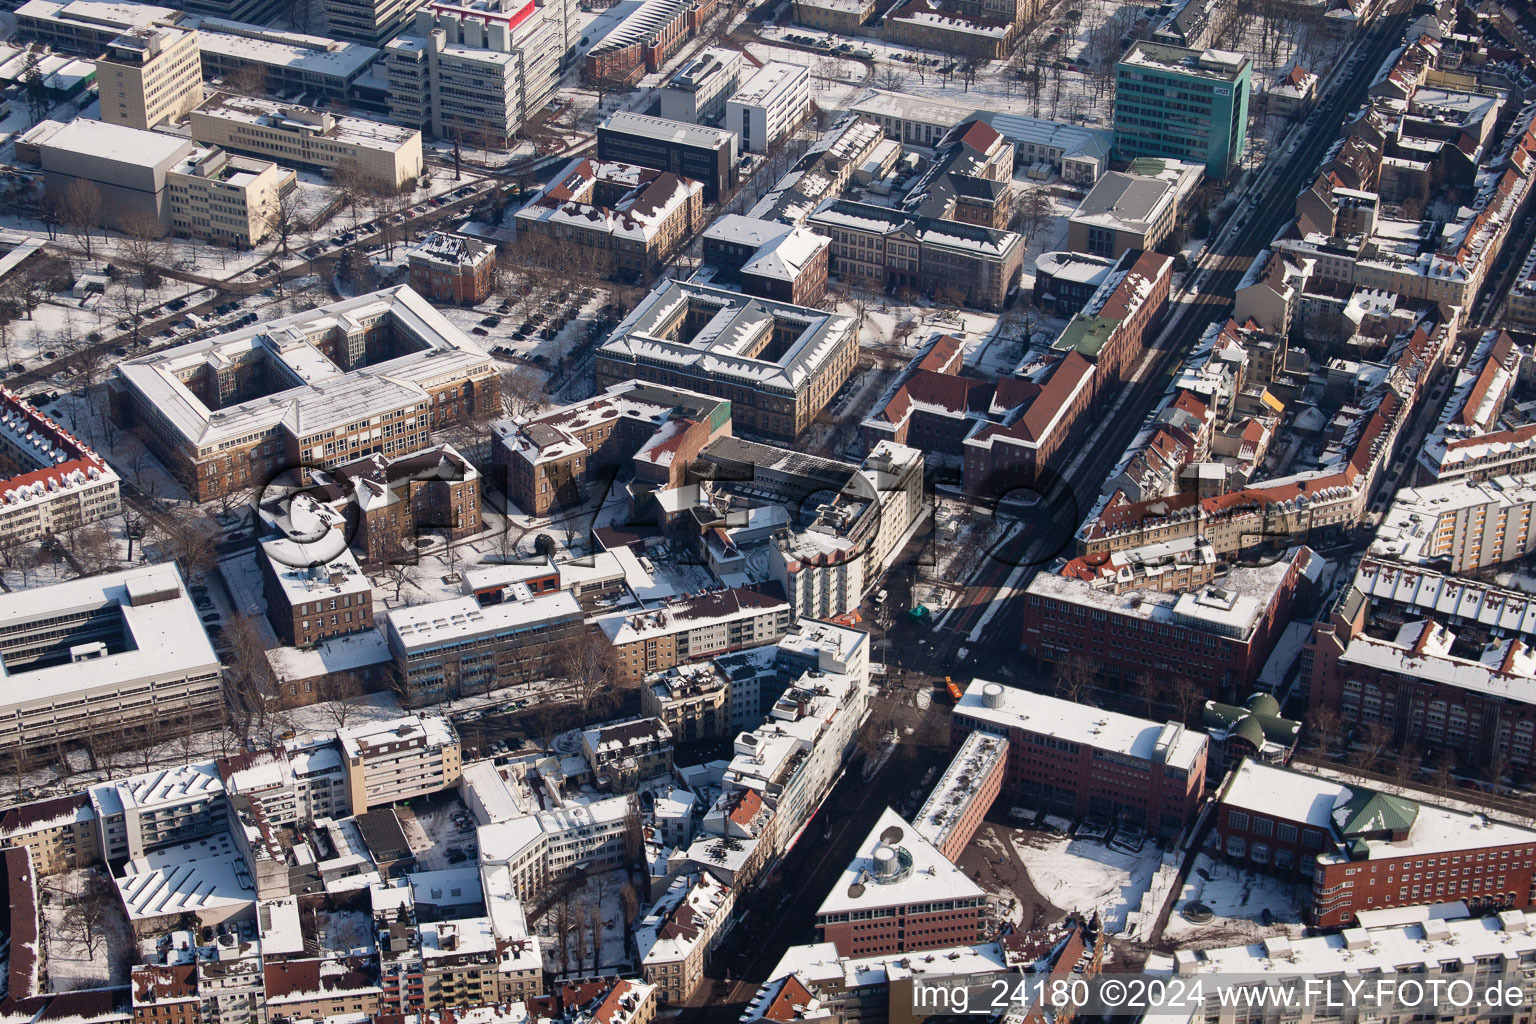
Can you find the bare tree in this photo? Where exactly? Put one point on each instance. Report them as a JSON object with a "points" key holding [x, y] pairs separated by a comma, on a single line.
{"points": [[587, 662], [1188, 696], [892, 79], [341, 696], [94, 910], [522, 391], [1076, 679], [284, 219], [247, 80], [181, 532], [596, 923], [399, 575], [144, 246], [81, 208]]}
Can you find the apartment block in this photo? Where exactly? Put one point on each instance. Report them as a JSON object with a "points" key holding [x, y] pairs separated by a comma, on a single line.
{"points": [[679, 932], [632, 218], [555, 458], [693, 628], [452, 648], [694, 700], [51, 482], [150, 75], [1460, 525], [1078, 759], [399, 759]]}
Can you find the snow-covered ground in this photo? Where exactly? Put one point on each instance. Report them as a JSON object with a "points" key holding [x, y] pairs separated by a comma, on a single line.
{"points": [[1086, 876], [436, 829], [598, 896], [74, 958], [1238, 900]]}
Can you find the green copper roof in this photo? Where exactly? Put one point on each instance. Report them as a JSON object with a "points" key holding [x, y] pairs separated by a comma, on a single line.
{"points": [[1366, 813]]}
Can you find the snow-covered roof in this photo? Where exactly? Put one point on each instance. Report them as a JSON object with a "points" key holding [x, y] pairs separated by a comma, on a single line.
{"points": [[895, 867], [1159, 743]]}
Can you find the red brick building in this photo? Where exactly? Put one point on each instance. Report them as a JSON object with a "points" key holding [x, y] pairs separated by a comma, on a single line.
{"points": [[387, 501], [646, 38], [448, 268], [1361, 849], [1219, 636], [653, 431], [791, 268], [309, 603], [899, 894], [1435, 661], [1077, 760], [961, 798]]}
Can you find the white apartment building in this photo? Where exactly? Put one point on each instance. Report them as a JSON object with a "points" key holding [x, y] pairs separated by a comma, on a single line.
{"points": [[399, 759], [306, 137], [1468, 524], [150, 75], [538, 847], [476, 70], [231, 200], [769, 105], [698, 91], [159, 808], [116, 652], [827, 569]]}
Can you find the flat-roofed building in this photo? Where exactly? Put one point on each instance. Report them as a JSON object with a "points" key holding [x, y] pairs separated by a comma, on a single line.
{"points": [[693, 699], [399, 759], [695, 627], [959, 801], [50, 481], [113, 654], [1076, 759], [128, 166], [297, 136], [1364, 850], [698, 90], [453, 648], [704, 154], [898, 895], [231, 200], [150, 75], [283, 60], [86, 26], [779, 364], [645, 38], [844, 17], [366, 375], [769, 105], [1207, 90], [1131, 210]]}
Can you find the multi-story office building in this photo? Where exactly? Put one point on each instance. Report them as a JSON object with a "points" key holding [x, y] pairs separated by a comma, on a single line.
{"points": [[926, 24], [283, 61], [370, 22], [1079, 759], [778, 364], [630, 218], [150, 75], [231, 200], [475, 71], [362, 376], [769, 105], [87, 27], [105, 655], [448, 649], [899, 894], [959, 801], [449, 268], [50, 481], [706, 155], [399, 759], [1217, 635], [1363, 849], [310, 603], [676, 936], [305, 137], [845, 17], [698, 91], [128, 166], [1065, 281], [554, 458], [1131, 210], [692, 628], [1187, 104]]}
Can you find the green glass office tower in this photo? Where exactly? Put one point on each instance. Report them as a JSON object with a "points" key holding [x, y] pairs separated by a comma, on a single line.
{"points": [[1189, 104]]}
